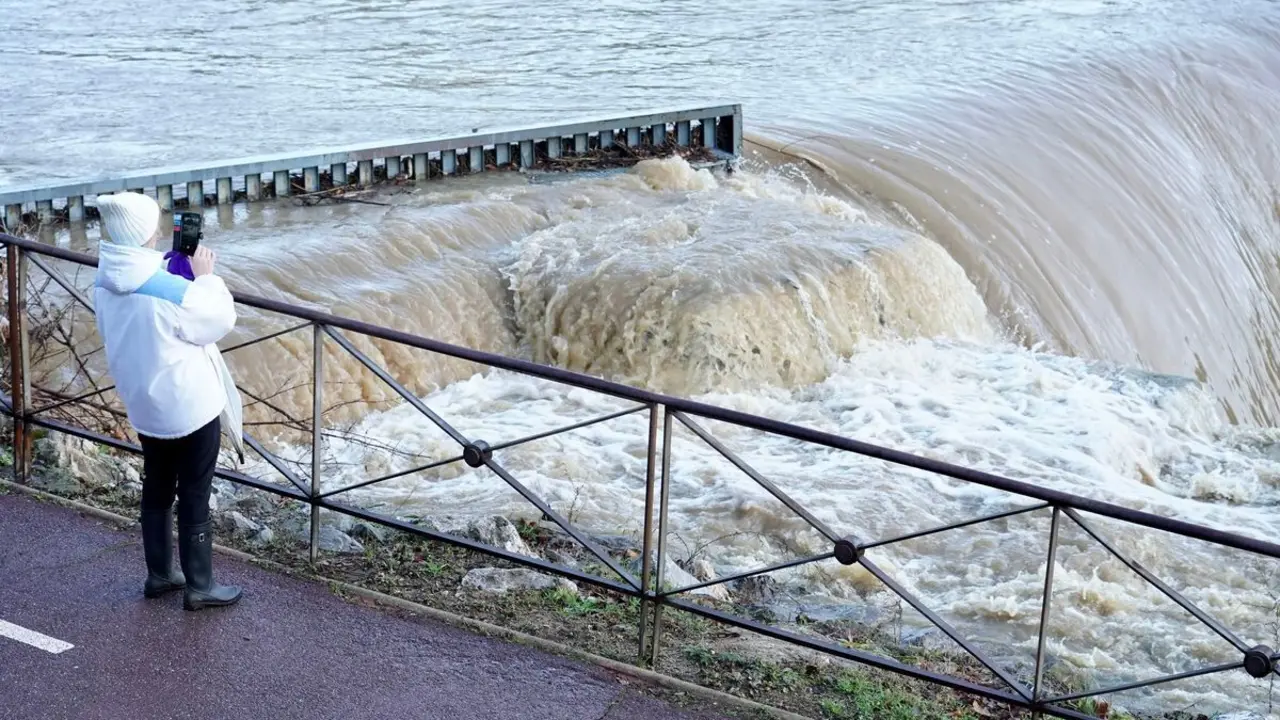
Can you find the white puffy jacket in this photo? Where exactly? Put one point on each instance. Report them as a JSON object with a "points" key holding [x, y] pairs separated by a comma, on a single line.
{"points": [[160, 332]]}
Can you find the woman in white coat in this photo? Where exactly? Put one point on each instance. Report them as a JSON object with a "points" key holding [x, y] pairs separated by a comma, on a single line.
{"points": [[160, 332]]}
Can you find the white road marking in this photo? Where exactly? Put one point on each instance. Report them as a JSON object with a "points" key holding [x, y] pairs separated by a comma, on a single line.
{"points": [[33, 638]]}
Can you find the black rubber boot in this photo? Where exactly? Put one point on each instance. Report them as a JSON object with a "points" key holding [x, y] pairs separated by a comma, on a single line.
{"points": [[157, 547], [195, 547]]}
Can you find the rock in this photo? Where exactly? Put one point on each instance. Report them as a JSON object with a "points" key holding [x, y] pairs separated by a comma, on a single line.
{"points": [[224, 488], [234, 523], [67, 465], [758, 647], [222, 495], [500, 533], [621, 544], [447, 524], [495, 531], [295, 524], [340, 521], [562, 558], [253, 503], [265, 536], [756, 590], [676, 577], [702, 569], [928, 638], [501, 581], [132, 477], [57, 481], [54, 451], [334, 540], [369, 531]]}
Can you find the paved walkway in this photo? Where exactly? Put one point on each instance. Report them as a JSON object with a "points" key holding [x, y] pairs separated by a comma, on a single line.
{"points": [[290, 649]]}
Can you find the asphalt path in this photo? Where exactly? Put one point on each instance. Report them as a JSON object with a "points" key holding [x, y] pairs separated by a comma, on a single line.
{"points": [[78, 640]]}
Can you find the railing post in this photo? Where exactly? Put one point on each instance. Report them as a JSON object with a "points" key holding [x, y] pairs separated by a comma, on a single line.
{"points": [[20, 384], [647, 546], [1048, 597], [317, 410], [663, 505]]}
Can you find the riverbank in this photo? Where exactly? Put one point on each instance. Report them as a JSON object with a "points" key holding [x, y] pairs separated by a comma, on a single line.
{"points": [[589, 619]]}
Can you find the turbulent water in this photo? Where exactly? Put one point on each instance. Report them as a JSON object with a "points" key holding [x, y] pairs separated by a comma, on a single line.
{"points": [[1039, 238]]}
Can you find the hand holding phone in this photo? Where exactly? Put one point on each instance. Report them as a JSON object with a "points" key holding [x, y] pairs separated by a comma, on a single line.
{"points": [[203, 261]]}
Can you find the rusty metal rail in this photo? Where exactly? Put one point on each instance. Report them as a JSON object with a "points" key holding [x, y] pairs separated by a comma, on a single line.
{"points": [[1258, 660]]}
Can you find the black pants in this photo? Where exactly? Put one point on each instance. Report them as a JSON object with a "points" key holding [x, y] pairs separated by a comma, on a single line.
{"points": [[184, 465]]}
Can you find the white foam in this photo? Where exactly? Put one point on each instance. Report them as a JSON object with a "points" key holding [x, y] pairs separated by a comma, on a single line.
{"points": [[1057, 422], [610, 270]]}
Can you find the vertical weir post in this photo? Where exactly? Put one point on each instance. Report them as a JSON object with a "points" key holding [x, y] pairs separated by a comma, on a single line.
{"points": [[253, 187], [282, 183], [225, 196]]}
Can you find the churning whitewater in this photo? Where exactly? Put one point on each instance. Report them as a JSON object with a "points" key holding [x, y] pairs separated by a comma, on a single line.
{"points": [[1037, 238], [760, 292]]}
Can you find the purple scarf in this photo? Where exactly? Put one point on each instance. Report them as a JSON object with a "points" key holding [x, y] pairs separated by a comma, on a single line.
{"points": [[179, 264]]}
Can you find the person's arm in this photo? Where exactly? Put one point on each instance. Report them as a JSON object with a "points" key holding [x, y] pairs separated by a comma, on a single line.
{"points": [[207, 312]]}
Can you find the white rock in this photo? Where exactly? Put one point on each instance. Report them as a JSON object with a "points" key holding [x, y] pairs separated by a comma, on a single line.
{"points": [[369, 531], [263, 537], [495, 531], [702, 569], [334, 540], [497, 580], [500, 533], [236, 523], [676, 577]]}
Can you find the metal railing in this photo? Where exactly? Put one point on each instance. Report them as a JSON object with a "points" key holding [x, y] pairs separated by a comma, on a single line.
{"points": [[716, 127], [663, 411]]}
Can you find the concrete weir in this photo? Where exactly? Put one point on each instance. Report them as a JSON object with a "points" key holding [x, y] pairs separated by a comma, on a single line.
{"points": [[717, 129]]}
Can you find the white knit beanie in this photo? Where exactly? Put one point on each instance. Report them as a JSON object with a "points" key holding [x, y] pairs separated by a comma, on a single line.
{"points": [[130, 218]]}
